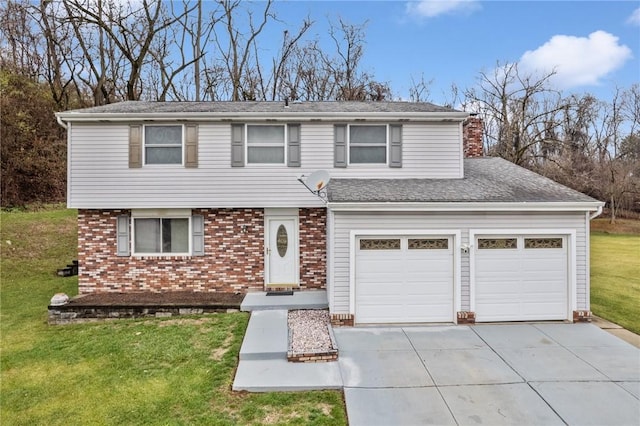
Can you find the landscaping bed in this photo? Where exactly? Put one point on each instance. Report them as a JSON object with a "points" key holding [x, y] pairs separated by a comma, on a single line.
{"points": [[311, 336]]}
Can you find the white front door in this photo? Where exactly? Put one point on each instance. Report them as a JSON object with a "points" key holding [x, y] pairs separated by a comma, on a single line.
{"points": [[281, 261]]}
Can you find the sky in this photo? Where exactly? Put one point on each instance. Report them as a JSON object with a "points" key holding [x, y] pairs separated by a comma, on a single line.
{"points": [[594, 46]]}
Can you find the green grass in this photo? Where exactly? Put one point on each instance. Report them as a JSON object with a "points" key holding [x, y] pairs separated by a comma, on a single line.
{"points": [[615, 278], [156, 371]]}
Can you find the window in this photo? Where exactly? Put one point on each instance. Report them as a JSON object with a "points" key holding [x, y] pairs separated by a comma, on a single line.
{"points": [[163, 144], [542, 243], [161, 235], [380, 244], [265, 144], [497, 243], [368, 144]]}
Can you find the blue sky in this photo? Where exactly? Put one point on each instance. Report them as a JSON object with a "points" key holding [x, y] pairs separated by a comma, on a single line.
{"points": [[594, 45]]}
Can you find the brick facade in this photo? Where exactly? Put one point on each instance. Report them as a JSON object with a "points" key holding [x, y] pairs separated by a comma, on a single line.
{"points": [[313, 248], [233, 260], [472, 137]]}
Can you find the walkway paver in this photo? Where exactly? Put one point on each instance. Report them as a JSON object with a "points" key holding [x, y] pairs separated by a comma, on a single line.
{"points": [[411, 406], [590, 403], [504, 404]]}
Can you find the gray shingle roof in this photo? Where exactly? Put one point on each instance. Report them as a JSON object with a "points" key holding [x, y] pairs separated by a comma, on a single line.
{"points": [[141, 107], [485, 179]]}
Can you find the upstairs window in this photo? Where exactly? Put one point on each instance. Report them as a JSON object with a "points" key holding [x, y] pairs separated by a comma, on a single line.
{"points": [[265, 144], [163, 144], [368, 144]]}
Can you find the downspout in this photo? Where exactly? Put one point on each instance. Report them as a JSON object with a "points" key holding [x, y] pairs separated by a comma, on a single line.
{"points": [[597, 213], [60, 122]]}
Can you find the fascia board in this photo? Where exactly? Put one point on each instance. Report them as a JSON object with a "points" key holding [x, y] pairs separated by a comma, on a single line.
{"points": [[466, 207], [267, 116]]}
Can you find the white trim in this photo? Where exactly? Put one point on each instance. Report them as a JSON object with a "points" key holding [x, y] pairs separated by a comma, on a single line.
{"points": [[144, 145], [386, 144], [587, 260], [461, 150], [282, 214], [329, 227], [284, 144], [572, 276], [155, 213], [160, 214], [334, 117], [69, 162], [457, 260], [466, 206]]}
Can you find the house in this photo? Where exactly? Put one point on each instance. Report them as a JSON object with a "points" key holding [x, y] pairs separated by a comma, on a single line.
{"points": [[414, 226]]}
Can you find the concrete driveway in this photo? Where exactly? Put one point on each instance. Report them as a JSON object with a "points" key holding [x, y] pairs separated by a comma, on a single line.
{"points": [[536, 374]]}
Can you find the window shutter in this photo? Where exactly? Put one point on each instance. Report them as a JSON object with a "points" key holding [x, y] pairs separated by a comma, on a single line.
{"points": [[395, 150], [197, 234], [237, 145], [135, 146], [191, 146], [340, 145], [293, 145], [122, 231]]}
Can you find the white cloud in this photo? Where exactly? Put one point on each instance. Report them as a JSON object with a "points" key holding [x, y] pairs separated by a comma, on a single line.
{"points": [[433, 8], [634, 18], [578, 61]]}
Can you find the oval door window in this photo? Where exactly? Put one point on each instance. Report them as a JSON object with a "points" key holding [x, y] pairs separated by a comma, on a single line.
{"points": [[282, 240]]}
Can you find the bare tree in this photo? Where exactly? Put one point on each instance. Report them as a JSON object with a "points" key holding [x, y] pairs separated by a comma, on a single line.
{"points": [[516, 109]]}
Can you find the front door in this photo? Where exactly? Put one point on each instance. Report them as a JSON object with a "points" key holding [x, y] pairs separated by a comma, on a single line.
{"points": [[281, 261]]}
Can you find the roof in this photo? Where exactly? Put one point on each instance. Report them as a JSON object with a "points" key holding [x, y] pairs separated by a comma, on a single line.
{"points": [[142, 107], [334, 110], [486, 179]]}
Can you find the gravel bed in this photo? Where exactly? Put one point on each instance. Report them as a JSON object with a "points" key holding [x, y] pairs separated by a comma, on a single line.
{"points": [[309, 331]]}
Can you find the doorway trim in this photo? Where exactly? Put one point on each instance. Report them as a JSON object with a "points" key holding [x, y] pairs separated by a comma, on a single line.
{"points": [[281, 214]]}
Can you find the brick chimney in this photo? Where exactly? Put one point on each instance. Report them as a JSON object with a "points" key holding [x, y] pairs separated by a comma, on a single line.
{"points": [[472, 137]]}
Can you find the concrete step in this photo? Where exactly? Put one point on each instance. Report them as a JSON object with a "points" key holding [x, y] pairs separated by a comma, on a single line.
{"points": [[259, 301], [278, 375], [267, 336]]}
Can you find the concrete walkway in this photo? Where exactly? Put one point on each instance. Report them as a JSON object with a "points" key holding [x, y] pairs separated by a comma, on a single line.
{"points": [[497, 374], [525, 374], [263, 365]]}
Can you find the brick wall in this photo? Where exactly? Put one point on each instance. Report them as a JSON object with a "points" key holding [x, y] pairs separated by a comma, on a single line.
{"points": [[313, 248], [233, 260], [472, 137]]}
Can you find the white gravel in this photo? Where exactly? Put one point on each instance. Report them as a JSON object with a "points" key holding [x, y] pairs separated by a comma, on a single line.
{"points": [[309, 331]]}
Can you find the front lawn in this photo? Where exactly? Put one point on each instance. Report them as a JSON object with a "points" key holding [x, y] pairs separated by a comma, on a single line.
{"points": [[156, 371], [615, 278]]}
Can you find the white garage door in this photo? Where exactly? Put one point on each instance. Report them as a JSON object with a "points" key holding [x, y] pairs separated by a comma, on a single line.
{"points": [[521, 278], [404, 279]]}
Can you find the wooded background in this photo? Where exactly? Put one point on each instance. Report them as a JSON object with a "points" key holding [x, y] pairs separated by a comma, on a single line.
{"points": [[66, 54]]}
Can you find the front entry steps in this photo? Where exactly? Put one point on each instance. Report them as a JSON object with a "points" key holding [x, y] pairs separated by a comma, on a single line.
{"points": [[263, 365], [312, 299]]}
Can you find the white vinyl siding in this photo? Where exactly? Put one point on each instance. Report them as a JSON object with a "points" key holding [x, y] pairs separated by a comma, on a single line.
{"points": [[345, 222], [101, 178]]}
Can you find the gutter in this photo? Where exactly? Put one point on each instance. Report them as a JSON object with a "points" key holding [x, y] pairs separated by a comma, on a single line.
{"points": [[265, 116], [597, 213], [60, 122], [468, 207]]}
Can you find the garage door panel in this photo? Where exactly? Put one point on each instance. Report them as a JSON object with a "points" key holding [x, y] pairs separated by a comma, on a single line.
{"points": [[521, 284], [405, 285]]}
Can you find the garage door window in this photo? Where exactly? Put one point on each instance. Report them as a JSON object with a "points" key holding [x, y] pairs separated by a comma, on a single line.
{"points": [[543, 243], [380, 244], [497, 243], [428, 243]]}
